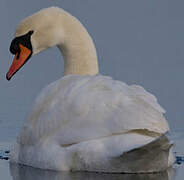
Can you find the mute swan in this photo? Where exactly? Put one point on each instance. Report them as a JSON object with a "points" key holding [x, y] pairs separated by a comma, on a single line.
{"points": [[85, 121]]}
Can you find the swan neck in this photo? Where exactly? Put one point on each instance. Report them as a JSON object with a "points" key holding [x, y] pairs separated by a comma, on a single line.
{"points": [[78, 50]]}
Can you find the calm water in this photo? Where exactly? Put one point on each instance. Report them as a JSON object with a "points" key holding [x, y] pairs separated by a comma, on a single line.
{"points": [[26, 173], [16, 172]]}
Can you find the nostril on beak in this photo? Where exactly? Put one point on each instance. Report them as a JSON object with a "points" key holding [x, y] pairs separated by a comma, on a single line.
{"points": [[18, 54]]}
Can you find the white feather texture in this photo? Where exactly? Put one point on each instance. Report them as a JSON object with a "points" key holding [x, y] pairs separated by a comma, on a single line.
{"points": [[86, 121]]}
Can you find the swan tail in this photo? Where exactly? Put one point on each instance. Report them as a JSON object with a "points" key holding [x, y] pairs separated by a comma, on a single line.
{"points": [[155, 156]]}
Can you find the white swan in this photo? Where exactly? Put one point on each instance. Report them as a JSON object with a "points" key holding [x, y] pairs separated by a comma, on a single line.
{"points": [[85, 121]]}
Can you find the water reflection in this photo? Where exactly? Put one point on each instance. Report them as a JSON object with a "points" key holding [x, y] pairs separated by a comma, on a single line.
{"points": [[19, 172]]}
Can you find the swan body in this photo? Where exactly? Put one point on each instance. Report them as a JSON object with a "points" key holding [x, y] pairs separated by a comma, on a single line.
{"points": [[87, 121]]}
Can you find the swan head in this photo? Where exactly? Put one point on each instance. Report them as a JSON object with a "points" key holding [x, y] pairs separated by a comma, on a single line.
{"points": [[34, 34], [54, 27]]}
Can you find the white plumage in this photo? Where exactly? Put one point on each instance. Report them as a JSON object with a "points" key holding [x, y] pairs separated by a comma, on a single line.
{"points": [[85, 121]]}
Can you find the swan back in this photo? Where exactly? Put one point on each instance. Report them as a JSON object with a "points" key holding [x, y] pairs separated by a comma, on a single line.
{"points": [[80, 108]]}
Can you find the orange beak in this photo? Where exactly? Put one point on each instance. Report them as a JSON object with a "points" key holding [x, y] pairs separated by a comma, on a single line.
{"points": [[19, 60]]}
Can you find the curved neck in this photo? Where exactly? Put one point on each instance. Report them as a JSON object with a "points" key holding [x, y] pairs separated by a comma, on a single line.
{"points": [[78, 49], [55, 27]]}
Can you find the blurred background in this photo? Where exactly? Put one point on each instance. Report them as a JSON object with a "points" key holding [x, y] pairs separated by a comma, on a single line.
{"points": [[138, 42]]}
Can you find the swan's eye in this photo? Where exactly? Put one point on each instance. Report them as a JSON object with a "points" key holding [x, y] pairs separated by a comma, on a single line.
{"points": [[25, 40], [14, 47]]}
